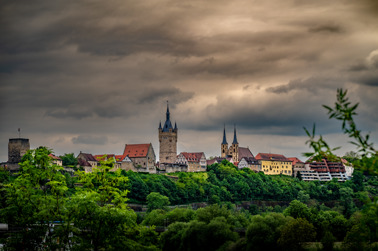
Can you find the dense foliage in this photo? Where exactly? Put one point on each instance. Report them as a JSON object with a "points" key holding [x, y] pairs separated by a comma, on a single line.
{"points": [[49, 209]]}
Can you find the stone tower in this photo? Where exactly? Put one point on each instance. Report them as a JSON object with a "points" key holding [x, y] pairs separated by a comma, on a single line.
{"points": [[167, 141], [224, 145], [234, 151], [16, 149]]}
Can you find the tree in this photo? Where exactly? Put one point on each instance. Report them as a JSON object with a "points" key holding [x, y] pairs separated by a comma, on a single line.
{"points": [[295, 233], [69, 160], [264, 231], [34, 200], [297, 209], [157, 201], [303, 197]]}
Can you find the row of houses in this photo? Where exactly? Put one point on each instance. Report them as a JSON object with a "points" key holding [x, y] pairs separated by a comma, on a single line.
{"points": [[142, 158]]}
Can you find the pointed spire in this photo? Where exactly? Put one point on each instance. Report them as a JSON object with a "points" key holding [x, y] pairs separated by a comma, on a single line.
{"points": [[175, 126], [168, 114], [235, 139], [224, 142], [160, 125], [167, 124]]}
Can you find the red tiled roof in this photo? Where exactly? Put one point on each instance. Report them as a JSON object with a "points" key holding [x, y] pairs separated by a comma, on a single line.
{"points": [[54, 157], [295, 160], [271, 156], [193, 157], [136, 150]]}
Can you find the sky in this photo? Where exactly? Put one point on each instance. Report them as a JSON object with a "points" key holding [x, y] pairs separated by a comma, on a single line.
{"points": [[92, 76]]}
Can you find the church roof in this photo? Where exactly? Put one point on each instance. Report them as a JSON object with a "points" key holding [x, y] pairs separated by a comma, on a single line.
{"points": [[244, 152], [136, 150]]}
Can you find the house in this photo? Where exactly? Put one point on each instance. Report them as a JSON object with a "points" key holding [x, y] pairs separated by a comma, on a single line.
{"points": [[142, 155], [196, 162], [56, 160], [328, 170], [274, 164], [251, 163], [298, 165], [87, 161]]}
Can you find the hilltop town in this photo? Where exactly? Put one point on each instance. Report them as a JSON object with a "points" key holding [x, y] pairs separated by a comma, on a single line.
{"points": [[142, 158]]}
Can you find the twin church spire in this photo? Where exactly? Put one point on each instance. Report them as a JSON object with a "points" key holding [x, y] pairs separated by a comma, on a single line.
{"points": [[235, 141], [233, 151]]}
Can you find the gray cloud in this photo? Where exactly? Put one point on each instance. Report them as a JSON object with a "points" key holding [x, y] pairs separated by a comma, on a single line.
{"points": [[104, 70], [326, 28], [90, 140]]}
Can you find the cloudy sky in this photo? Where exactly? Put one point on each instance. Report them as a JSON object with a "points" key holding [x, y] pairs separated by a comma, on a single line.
{"points": [[93, 76]]}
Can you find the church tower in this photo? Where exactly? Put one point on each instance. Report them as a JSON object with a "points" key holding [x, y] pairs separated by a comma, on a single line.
{"points": [[224, 145], [167, 140], [234, 151]]}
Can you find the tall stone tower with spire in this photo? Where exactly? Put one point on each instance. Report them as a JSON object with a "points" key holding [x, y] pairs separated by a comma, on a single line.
{"points": [[234, 151], [224, 145], [167, 140]]}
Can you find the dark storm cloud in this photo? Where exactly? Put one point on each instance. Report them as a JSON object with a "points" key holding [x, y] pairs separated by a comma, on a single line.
{"points": [[326, 28], [101, 69], [112, 105], [90, 140], [312, 85], [366, 71]]}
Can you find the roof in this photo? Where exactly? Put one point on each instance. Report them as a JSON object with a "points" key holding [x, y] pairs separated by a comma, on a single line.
{"points": [[87, 156], [193, 157], [235, 141], [167, 125], [83, 162], [224, 142], [136, 150], [250, 160], [295, 160], [271, 156], [54, 157], [244, 152]]}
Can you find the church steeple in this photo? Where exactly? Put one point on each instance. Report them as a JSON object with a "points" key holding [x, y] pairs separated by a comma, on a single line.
{"points": [[224, 142], [235, 142], [224, 145]]}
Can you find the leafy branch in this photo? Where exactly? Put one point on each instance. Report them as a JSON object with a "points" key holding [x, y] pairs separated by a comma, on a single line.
{"points": [[344, 111]]}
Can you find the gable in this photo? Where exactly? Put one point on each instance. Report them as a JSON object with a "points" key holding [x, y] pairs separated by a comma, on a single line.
{"points": [[136, 150]]}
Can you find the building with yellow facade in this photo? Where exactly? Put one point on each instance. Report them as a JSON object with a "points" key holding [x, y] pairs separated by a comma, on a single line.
{"points": [[275, 164]]}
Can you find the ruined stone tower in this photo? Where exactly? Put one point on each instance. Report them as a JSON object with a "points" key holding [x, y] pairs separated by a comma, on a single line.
{"points": [[167, 140], [16, 149]]}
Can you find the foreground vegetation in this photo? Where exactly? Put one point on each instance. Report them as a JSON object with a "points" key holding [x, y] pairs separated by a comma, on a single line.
{"points": [[47, 209]]}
